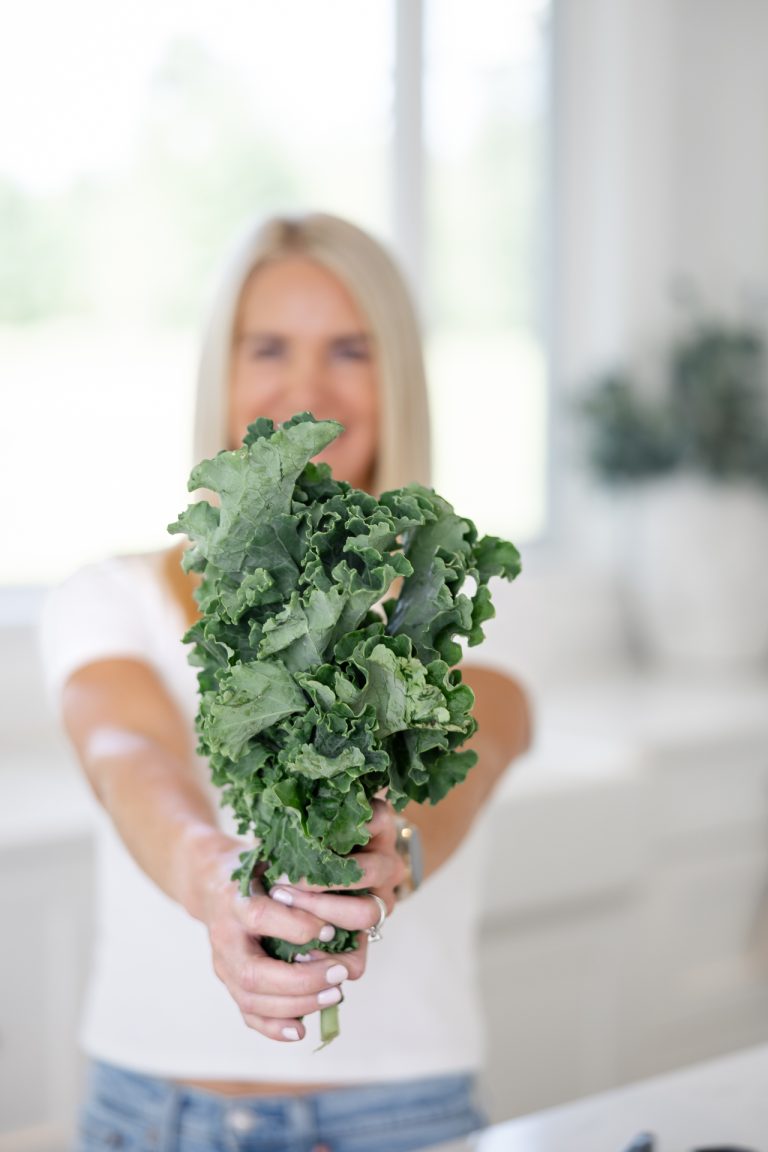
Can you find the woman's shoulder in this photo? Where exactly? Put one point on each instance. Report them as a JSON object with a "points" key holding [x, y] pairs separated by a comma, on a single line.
{"points": [[158, 576], [127, 570], [105, 565], [115, 600], [105, 609]]}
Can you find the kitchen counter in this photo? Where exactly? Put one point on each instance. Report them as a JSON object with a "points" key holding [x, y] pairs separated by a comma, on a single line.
{"points": [[721, 1103]]}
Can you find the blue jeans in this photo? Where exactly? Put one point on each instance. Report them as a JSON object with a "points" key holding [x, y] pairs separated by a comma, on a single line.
{"points": [[135, 1113]]}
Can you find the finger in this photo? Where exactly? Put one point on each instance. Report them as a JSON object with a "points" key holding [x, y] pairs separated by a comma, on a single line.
{"points": [[231, 966], [354, 913], [284, 881], [260, 916], [288, 1029], [264, 976], [383, 822], [380, 871], [354, 961], [377, 870], [285, 1007]]}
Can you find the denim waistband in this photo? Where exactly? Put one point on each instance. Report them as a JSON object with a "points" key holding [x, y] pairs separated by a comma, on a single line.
{"points": [[145, 1112]]}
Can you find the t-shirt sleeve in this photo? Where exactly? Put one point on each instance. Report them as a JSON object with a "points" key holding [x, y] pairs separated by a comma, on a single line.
{"points": [[90, 616]]}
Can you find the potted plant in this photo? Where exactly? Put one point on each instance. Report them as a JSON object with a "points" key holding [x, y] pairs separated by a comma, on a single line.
{"points": [[691, 461]]}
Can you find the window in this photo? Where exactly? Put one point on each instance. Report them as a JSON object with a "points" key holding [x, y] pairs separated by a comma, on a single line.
{"points": [[484, 143], [143, 145]]}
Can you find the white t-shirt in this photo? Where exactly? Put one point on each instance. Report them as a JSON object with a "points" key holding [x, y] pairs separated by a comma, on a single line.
{"points": [[154, 1002]]}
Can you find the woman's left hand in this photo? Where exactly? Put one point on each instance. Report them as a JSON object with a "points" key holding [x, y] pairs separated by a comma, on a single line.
{"points": [[383, 870]]}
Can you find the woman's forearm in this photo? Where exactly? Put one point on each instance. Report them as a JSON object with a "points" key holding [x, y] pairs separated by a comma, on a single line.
{"points": [[161, 813], [504, 732], [135, 749]]}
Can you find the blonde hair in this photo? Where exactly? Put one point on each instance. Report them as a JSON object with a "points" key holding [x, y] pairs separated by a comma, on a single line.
{"points": [[375, 283]]}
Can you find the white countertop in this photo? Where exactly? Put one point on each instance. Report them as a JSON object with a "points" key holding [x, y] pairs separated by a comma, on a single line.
{"points": [[721, 1103]]}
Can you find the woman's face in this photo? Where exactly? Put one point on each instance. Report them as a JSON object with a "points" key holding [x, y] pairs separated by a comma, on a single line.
{"points": [[302, 344]]}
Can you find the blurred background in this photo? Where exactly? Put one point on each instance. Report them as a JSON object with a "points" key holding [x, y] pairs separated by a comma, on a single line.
{"points": [[578, 193]]}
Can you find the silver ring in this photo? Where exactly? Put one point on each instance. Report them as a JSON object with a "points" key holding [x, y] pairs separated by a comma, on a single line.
{"points": [[374, 932]]}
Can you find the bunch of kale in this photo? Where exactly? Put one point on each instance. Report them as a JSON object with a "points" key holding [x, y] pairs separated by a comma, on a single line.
{"points": [[312, 698]]}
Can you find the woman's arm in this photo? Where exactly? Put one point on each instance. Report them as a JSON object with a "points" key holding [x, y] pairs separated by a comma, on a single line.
{"points": [[135, 748], [136, 751], [503, 716], [504, 732]]}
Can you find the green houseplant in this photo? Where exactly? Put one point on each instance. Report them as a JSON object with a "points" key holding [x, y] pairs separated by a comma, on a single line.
{"points": [[687, 457], [711, 417]]}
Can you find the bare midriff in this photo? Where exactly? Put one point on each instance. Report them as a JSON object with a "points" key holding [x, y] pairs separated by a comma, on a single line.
{"points": [[256, 1088]]}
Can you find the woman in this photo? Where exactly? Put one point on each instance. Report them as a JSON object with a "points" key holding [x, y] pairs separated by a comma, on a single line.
{"points": [[311, 315]]}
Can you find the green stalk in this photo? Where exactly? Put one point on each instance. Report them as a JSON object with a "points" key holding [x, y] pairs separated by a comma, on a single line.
{"points": [[329, 1025]]}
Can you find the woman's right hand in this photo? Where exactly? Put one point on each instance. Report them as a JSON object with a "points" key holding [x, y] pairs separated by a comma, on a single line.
{"points": [[134, 745], [271, 994]]}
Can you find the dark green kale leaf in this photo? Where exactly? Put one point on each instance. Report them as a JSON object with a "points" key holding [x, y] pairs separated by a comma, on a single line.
{"points": [[317, 692], [443, 551], [249, 698]]}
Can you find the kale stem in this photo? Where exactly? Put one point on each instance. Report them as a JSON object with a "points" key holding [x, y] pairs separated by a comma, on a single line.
{"points": [[329, 1024]]}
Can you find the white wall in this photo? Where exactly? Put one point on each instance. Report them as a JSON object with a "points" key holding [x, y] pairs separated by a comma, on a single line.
{"points": [[719, 178], [662, 166], [660, 172]]}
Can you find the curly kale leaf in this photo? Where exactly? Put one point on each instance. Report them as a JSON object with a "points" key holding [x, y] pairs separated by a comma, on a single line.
{"points": [[312, 697], [432, 607]]}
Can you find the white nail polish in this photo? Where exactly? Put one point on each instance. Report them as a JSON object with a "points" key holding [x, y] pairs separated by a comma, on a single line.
{"points": [[336, 974], [291, 1033], [326, 933], [329, 996], [281, 895], [302, 958]]}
